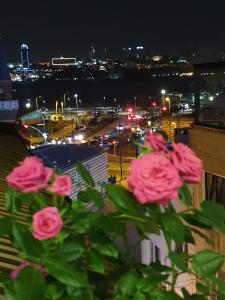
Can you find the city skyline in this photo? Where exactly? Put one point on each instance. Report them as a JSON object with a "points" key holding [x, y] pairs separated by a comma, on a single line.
{"points": [[53, 29]]}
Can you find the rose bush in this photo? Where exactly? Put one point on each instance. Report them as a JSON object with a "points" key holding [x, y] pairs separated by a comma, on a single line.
{"points": [[30, 176], [153, 179], [47, 223], [62, 185], [71, 253]]}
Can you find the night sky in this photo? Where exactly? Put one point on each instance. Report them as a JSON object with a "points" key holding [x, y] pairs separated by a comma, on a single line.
{"points": [[70, 27]]}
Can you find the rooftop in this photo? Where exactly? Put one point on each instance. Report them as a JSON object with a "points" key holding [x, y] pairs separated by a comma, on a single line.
{"points": [[62, 157]]}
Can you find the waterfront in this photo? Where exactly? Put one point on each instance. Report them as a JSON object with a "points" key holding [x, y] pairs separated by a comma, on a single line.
{"points": [[91, 92]]}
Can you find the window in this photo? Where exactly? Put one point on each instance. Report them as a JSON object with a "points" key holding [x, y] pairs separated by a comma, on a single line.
{"points": [[215, 188], [155, 253]]}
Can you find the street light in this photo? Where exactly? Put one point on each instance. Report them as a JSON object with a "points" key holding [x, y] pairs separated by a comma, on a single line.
{"points": [[76, 96], [28, 104], [135, 104], [56, 107], [120, 128], [104, 103], [64, 99], [168, 100], [62, 107], [163, 92], [36, 100]]}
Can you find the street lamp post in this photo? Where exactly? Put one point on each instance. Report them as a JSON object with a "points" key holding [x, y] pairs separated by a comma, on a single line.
{"points": [[36, 100], [62, 107], [76, 96], [120, 128], [64, 99], [104, 104], [163, 92], [135, 104], [56, 107], [168, 100]]}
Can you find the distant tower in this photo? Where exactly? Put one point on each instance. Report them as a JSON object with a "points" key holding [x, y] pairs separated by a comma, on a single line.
{"points": [[92, 53], [24, 55], [8, 106], [106, 53]]}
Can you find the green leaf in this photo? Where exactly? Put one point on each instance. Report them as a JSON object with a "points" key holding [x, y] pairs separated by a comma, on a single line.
{"points": [[219, 285], [30, 284], [164, 295], [64, 273], [139, 296], [54, 292], [26, 242], [95, 262], [173, 227], [185, 195], [9, 289], [69, 251], [146, 285], [12, 203], [91, 195], [202, 288], [9, 195], [178, 261], [207, 262], [82, 223], [214, 214], [110, 225], [120, 297], [105, 246], [124, 200], [5, 226], [127, 284], [84, 173]]}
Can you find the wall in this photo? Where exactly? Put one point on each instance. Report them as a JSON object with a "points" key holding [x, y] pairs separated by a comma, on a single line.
{"points": [[209, 145]]}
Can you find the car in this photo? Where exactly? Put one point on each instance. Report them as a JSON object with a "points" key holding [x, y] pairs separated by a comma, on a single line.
{"points": [[93, 142], [81, 127], [104, 143], [111, 114], [113, 142]]}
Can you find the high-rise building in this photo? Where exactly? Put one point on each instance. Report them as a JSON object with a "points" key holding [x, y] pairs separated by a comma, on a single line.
{"points": [[92, 53], [8, 106], [24, 55]]}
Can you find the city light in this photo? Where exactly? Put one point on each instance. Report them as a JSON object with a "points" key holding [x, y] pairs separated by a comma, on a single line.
{"points": [[163, 92]]}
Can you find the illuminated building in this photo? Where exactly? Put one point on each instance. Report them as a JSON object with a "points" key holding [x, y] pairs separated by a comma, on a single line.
{"points": [[24, 55], [64, 61], [8, 106]]}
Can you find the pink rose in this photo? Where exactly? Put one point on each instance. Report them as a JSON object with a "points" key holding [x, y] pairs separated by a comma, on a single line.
{"points": [[47, 223], [25, 264], [62, 185], [155, 141], [153, 179], [30, 176], [186, 162]]}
